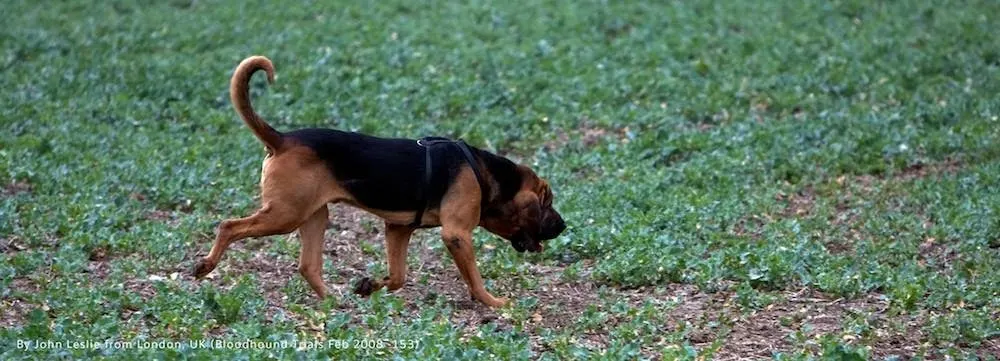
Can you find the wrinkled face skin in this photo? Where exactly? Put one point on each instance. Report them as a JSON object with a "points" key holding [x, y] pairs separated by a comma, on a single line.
{"points": [[527, 219]]}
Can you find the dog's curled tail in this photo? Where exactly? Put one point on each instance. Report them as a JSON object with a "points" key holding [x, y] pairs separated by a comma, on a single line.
{"points": [[239, 94]]}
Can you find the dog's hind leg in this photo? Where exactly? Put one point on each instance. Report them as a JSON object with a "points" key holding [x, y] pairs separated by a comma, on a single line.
{"points": [[397, 240], [291, 191], [311, 254], [271, 219]]}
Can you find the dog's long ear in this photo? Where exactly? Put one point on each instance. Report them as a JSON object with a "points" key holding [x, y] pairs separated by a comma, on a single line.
{"points": [[544, 193], [529, 212]]}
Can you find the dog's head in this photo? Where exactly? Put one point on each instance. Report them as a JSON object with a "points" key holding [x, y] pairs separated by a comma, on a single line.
{"points": [[527, 219]]}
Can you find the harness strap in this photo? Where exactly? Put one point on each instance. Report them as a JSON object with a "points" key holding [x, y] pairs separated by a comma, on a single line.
{"points": [[427, 143]]}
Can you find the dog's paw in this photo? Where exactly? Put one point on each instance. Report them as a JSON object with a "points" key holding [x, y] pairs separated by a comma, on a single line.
{"points": [[489, 300], [365, 287], [201, 269], [499, 302]]}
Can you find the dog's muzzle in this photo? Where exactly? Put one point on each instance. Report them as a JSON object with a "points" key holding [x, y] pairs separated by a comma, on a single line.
{"points": [[523, 242], [553, 230]]}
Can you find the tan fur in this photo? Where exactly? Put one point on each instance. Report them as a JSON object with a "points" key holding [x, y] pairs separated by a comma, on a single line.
{"points": [[239, 94], [459, 217]]}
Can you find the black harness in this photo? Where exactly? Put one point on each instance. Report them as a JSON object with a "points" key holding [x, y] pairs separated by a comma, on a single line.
{"points": [[428, 143]]}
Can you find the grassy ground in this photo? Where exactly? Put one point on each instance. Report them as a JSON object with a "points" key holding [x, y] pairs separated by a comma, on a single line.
{"points": [[761, 179]]}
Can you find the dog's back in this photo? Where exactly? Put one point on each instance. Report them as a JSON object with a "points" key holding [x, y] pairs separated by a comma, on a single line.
{"points": [[382, 173]]}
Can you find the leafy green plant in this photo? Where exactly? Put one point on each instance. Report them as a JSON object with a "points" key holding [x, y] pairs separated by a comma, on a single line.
{"points": [[834, 350], [838, 153]]}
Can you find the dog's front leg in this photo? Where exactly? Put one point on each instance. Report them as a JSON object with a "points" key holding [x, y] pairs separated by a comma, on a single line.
{"points": [[459, 244], [459, 217]]}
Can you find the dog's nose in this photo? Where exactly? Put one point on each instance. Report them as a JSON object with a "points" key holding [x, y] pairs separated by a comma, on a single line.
{"points": [[561, 227]]}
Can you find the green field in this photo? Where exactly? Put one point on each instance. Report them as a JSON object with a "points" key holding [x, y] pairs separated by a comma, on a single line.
{"points": [[797, 179]]}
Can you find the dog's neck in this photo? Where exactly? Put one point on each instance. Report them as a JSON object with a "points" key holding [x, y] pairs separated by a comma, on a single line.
{"points": [[504, 177]]}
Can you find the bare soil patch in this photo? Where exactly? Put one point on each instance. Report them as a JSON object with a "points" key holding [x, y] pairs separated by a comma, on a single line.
{"points": [[933, 251], [925, 170], [98, 270], [798, 204], [762, 333], [15, 188], [14, 307], [12, 244], [158, 215], [796, 323], [589, 135]]}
